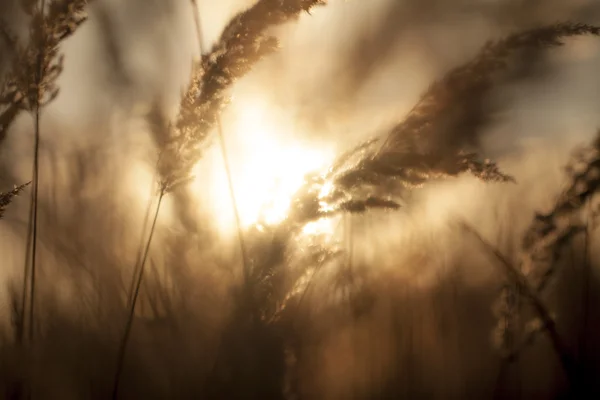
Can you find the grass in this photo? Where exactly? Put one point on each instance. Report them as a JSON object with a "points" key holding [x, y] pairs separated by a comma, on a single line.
{"points": [[307, 320]]}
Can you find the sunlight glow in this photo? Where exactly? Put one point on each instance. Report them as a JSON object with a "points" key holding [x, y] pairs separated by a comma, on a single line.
{"points": [[324, 226], [268, 165]]}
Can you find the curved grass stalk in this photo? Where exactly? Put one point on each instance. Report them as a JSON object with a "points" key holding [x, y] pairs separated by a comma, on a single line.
{"points": [[529, 292]]}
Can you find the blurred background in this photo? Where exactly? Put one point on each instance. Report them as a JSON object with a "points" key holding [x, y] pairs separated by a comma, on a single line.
{"points": [[407, 308]]}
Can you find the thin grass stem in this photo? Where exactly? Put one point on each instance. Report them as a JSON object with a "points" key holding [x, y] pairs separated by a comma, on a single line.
{"points": [[231, 187], [138, 283]]}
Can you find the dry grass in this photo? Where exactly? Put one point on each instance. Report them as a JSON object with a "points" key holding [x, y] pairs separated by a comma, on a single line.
{"points": [[242, 44], [7, 197], [266, 335]]}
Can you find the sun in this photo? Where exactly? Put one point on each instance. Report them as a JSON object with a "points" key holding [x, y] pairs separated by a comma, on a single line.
{"points": [[268, 162]]}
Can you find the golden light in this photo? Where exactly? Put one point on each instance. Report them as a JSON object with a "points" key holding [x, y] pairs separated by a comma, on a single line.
{"points": [[268, 163], [322, 226]]}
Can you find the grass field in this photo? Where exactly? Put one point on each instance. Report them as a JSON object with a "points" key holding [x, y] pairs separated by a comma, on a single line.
{"points": [[299, 199]]}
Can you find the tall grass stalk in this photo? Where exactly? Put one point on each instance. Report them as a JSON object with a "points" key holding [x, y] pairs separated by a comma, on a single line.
{"points": [[550, 232], [236, 212], [36, 172], [226, 163], [516, 277], [230, 185], [586, 276], [30, 86], [26, 271], [138, 258], [130, 316]]}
